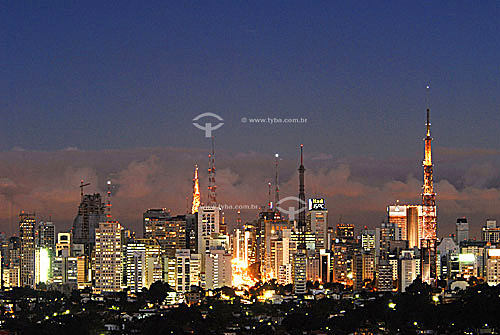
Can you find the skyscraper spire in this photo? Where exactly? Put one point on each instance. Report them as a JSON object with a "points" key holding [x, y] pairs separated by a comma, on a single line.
{"points": [[196, 191], [212, 194]]}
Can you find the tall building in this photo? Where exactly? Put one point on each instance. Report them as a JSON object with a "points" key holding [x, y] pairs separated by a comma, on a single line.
{"points": [[183, 270], [342, 262], [384, 234], [462, 230], [46, 235], [413, 213], [300, 273], [408, 272], [154, 222], [11, 271], [407, 221], [317, 219], [345, 232], [325, 266], [493, 267], [143, 264], [368, 240], [429, 224], [218, 269], [491, 232], [208, 223], [268, 224], [90, 213], [108, 257], [63, 245], [27, 224], [384, 276], [169, 231]]}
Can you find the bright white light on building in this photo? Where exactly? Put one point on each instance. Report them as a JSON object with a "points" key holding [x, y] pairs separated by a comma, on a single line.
{"points": [[494, 252], [44, 265], [466, 258]]}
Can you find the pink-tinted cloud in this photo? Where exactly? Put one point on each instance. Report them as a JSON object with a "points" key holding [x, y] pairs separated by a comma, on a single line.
{"points": [[358, 189]]}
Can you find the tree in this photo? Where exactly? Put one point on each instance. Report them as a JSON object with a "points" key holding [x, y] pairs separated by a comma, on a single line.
{"points": [[158, 292]]}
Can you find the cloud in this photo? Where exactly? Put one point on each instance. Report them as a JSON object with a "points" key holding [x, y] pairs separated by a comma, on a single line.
{"points": [[356, 188]]}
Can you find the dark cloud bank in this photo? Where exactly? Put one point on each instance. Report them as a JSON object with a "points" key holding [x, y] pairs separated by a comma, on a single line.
{"points": [[358, 189]]}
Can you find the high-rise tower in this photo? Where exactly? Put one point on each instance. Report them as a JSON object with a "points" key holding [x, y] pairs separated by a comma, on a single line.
{"points": [[90, 212], [27, 223], [212, 194], [196, 192], [428, 239]]}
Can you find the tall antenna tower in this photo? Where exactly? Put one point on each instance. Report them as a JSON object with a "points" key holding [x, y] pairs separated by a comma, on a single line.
{"points": [[212, 194], [428, 241], [302, 198], [196, 191]]}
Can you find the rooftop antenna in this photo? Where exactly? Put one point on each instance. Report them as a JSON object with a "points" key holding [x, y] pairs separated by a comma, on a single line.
{"points": [[108, 205], [269, 202], [428, 105], [276, 180]]}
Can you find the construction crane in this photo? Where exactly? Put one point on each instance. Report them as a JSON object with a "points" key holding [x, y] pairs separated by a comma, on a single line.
{"points": [[82, 185]]}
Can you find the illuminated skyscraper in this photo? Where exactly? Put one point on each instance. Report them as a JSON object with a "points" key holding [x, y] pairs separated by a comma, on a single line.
{"points": [[317, 219], [108, 257], [491, 232], [218, 269], [144, 265], [462, 230], [169, 231], [407, 221], [208, 223], [27, 224], [46, 235], [345, 232]]}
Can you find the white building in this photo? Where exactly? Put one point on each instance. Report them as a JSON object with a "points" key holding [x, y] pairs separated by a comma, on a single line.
{"points": [[108, 257], [183, 270], [218, 269], [317, 217], [493, 267], [208, 223]]}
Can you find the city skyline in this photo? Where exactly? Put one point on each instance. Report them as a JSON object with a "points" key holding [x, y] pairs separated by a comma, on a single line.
{"points": [[249, 167]]}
